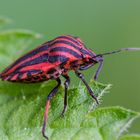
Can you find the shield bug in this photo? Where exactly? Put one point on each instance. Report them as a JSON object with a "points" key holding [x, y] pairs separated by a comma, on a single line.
{"points": [[53, 59]]}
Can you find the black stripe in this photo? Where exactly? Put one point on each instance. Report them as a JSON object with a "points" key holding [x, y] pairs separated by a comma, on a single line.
{"points": [[70, 38], [55, 58], [82, 50], [51, 71], [43, 58], [37, 60], [28, 55], [10, 76], [40, 59], [31, 72], [74, 39], [38, 50], [20, 74], [63, 49]]}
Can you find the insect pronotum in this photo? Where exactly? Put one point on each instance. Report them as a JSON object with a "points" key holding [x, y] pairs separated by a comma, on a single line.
{"points": [[53, 59]]}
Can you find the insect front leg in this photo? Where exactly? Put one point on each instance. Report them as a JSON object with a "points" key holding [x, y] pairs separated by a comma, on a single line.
{"points": [[99, 69], [66, 84], [81, 76], [51, 94]]}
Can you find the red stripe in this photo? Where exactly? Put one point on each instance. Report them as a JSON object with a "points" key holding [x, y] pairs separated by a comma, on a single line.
{"points": [[14, 77], [16, 66], [46, 66], [6, 78], [42, 66], [80, 46], [68, 55], [39, 54], [19, 58], [67, 46], [77, 39], [64, 39], [24, 76]]}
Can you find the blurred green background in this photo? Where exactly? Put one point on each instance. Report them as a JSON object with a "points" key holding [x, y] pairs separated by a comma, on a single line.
{"points": [[104, 25]]}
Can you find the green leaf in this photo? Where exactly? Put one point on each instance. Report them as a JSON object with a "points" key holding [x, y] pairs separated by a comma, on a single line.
{"points": [[110, 121], [22, 108], [130, 137], [101, 124], [22, 105], [13, 43]]}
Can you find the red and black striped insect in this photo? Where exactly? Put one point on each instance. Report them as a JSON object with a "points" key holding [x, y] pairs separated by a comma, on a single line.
{"points": [[53, 59]]}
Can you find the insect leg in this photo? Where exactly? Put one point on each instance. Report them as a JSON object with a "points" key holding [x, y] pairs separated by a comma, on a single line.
{"points": [[81, 76], [51, 94], [86, 67], [98, 70], [66, 84]]}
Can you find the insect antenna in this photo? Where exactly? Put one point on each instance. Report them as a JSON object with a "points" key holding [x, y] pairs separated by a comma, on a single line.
{"points": [[118, 51]]}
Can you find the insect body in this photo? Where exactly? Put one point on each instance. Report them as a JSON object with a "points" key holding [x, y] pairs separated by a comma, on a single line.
{"points": [[49, 61], [53, 59]]}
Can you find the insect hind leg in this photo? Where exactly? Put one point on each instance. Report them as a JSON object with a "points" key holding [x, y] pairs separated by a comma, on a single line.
{"points": [[66, 84], [51, 94]]}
